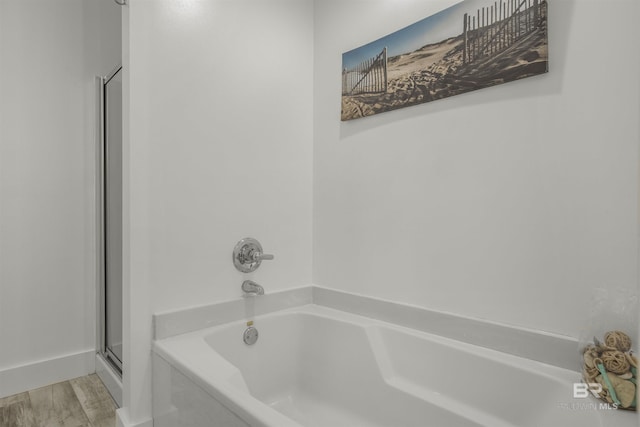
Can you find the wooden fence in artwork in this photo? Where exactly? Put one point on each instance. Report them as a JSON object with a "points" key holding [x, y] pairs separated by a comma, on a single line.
{"points": [[497, 27], [369, 76]]}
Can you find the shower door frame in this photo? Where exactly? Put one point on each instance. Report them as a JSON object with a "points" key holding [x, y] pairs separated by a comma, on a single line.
{"points": [[101, 193]]}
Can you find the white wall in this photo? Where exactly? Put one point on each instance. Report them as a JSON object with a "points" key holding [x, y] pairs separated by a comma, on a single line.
{"points": [[218, 125], [223, 130], [47, 266], [510, 203]]}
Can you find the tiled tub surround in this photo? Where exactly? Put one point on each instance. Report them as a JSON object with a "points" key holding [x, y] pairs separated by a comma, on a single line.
{"points": [[327, 358]]}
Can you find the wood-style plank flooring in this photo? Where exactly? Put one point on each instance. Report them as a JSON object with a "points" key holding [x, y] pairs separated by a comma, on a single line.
{"points": [[81, 402]]}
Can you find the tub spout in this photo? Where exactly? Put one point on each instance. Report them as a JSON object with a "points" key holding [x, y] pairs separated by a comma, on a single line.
{"points": [[251, 288]]}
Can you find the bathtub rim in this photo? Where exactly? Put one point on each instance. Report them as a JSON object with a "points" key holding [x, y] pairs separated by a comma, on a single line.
{"points": [[542, 346]]}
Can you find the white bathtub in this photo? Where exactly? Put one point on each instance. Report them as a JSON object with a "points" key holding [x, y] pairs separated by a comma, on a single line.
{"points": [[316, 366]]}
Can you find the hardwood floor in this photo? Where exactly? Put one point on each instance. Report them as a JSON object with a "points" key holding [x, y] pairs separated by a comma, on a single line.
{"points": [[81, 402]]}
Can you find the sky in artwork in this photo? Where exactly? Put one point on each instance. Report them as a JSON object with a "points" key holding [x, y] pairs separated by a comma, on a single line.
{"points": [[435, 28]]}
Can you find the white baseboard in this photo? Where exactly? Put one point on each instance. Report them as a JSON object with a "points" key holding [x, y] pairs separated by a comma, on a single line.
{"points": [[19, 379], [110, 379], [122, 420]]}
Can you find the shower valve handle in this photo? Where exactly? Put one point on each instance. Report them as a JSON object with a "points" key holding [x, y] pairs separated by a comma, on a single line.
{"points": [[259, 256], [247, 255]]}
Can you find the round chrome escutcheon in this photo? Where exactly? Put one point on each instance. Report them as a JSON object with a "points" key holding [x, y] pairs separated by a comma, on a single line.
{"points": [[250, 335]]}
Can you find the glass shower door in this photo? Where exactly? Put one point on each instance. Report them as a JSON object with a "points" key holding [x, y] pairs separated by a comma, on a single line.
{"points": [[112, 218]]}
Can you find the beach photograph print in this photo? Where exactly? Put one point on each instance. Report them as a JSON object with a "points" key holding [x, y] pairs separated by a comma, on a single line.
{"points": [[471, 45]]}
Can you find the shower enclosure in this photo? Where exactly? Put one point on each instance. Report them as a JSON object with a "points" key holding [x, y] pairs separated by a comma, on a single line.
{"points": [[110, 219]]}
